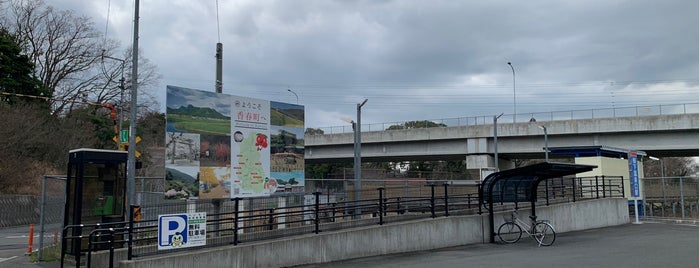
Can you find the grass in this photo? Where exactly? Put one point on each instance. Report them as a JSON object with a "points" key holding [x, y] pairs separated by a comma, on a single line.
{"points": [[200, 125], [280, 119], [50, 254]]}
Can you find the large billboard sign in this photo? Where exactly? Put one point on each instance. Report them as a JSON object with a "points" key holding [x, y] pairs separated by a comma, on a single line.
{"points": [[223, 146]]}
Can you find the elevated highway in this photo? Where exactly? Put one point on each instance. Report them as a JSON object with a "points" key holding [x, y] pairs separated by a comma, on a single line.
{"points": [[657, 135]]}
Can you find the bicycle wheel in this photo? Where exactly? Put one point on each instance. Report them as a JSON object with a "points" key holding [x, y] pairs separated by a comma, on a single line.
{"points": [[544, 233], [509, 232]]}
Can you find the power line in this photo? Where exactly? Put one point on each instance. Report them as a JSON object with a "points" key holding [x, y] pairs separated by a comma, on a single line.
{"points": [[106, 24]]}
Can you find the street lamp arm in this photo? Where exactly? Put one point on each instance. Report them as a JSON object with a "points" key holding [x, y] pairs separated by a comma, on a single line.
{"points": [[297, 96], [514, 92], [362, 104]]}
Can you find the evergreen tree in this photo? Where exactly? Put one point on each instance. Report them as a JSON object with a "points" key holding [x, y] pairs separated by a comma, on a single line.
{"points": [[16, 72]]}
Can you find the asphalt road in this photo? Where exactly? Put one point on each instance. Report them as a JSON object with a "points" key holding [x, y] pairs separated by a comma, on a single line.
{"points": [[14, 243], [632, 245]]}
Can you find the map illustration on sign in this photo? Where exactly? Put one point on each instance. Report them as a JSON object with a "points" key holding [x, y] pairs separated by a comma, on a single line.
{"points": [[250, 147]]}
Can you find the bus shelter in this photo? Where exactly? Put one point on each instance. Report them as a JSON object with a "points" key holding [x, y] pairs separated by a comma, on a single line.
{"points": [[520, 185]]}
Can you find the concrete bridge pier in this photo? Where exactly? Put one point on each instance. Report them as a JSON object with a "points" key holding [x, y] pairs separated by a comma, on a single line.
{"points": [[484, 164]]}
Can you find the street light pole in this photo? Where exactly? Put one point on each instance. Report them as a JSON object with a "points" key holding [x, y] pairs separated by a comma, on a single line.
{"points": [[546, 138], [358, 159], [546, 143], [495, 141], [297, 96], [662, 181], [514, 93]]}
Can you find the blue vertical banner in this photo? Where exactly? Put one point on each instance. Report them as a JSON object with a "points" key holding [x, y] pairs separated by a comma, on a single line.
{"points": [[633, 174]]}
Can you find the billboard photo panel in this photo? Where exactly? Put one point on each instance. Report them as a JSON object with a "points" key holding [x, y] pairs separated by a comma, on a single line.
{"points": [[240, 146]]}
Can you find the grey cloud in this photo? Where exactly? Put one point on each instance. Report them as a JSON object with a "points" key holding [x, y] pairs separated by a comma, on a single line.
{"points": [[413, 58]]}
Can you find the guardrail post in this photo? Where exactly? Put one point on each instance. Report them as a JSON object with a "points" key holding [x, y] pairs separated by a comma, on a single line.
{"points": [[480, 199], [89, 250], [111, 247], [574, 192], [623, 190], [317, 212], [514, 196], [604, 188], [334, 210], [398, 207], [432, 201], [270, 221], [381, 204], [446, 199], [597, 186], [130, 242], [236, 217], [546, 185], [563, 188]]}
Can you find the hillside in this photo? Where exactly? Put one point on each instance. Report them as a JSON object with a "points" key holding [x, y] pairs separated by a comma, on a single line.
{"points": [[197, 111], [287, 117]]}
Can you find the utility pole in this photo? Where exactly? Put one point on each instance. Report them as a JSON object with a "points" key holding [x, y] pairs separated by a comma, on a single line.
{"points": [[219, 68], [131, 163]]}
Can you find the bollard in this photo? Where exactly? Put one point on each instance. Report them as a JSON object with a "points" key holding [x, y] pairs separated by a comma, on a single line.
{"points": [[31, 238]]}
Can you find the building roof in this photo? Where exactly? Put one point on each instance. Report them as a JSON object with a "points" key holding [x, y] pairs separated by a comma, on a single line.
{"points": [[595, 150]]}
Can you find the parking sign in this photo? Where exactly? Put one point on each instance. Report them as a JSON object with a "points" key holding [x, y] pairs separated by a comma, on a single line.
{"points": [[181, 230]]}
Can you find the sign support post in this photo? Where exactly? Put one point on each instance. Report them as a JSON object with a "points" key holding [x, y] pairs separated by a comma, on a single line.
{"points": [[635, 187]]}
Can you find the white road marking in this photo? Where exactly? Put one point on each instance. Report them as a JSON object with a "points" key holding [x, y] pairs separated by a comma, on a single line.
{"points": [[7, 259], [26, 236]]}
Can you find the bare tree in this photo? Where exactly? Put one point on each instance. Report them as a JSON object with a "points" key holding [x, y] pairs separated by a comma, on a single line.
{"points": [[68, 55], [671, 167], [63, 47]]}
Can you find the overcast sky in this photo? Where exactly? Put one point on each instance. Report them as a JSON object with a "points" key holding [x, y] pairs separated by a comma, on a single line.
{"points": [[417, 60]]}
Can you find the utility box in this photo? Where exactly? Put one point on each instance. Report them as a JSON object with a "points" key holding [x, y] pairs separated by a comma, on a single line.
{"points": [[95, 192]]}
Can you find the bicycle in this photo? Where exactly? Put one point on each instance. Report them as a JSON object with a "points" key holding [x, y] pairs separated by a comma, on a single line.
{"points": [[511, 231]]}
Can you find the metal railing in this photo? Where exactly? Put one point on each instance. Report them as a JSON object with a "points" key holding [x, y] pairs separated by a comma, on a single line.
{"points": [[632, 111], [564, 190], [235, 221]]}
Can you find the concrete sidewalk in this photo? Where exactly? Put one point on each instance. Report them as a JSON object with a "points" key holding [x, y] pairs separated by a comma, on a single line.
{"points": [[651, 244]]}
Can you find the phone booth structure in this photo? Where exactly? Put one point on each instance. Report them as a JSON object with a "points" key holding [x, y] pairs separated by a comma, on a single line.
{"points": [[95, 192]]}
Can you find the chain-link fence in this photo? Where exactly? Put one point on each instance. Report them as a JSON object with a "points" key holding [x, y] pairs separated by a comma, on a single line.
{"points": [[52, 207], [671, 197]]}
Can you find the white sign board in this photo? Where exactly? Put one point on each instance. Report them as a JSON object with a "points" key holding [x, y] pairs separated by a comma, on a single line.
{"points": [[181, 230]]}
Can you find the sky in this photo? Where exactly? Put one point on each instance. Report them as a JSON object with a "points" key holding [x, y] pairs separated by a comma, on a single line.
{"points": [[418, 60]]}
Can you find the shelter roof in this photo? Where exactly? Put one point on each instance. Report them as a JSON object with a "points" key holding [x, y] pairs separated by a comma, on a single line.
{"points": [[515, 185]]}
